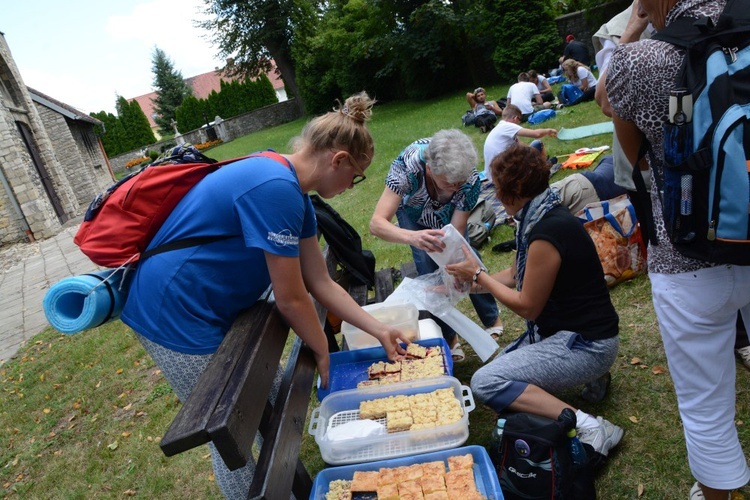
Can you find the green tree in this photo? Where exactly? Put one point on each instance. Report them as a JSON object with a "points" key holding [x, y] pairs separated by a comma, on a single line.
{"points": [[190, 113], [171, 90], [257, 31], [525, 35], [394, 49], [112, 133]]}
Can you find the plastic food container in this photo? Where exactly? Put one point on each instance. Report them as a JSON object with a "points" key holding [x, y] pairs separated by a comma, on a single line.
{"points": [[484, 472], [349, 368], [343, 406], [405, 317]]}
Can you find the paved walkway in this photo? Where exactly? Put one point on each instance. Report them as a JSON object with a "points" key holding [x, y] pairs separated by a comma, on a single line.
{"points": [[24, 283]]}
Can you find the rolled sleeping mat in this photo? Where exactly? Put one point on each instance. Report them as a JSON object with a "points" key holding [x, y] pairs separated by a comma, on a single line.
{"points": [[86, 301]]}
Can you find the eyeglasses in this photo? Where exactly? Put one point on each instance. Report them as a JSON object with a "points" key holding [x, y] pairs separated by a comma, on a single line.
{"points": [[360, 175]]}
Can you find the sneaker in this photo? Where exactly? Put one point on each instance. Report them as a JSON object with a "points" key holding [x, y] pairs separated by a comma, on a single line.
{"points": [[602, 438], [597, 390], [743, 353], [483, 129], [696, 493]]}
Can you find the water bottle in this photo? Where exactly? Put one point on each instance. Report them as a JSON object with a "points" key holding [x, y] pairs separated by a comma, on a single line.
{"points": [[496, 440], [576, 449]]}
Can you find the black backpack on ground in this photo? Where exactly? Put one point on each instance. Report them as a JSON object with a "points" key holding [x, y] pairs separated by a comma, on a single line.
{"points": [[345, 243], [534, 460], [706, 183]]}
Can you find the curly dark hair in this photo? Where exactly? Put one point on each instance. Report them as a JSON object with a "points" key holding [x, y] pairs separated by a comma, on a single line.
{"points": [[519, 172]]}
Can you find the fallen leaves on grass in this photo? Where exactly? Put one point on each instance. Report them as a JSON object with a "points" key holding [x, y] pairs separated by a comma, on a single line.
{"points": [[640, 490], [129, 493], [633, 419], [658, 370], [113, 445]]}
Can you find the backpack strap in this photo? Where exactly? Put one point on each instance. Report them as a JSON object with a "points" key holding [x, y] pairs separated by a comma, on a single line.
{"points": [[641, 199], [204, 240]]}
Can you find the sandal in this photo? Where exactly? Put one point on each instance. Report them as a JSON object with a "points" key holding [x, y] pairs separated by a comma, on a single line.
{"points": [[457, 353], [495, 331]]}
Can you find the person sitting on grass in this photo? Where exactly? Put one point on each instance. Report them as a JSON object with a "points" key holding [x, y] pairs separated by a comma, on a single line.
{"points": [[557, 284], [542, 84], [526, 96], [581, 76], [485, 112], [506, 133]]}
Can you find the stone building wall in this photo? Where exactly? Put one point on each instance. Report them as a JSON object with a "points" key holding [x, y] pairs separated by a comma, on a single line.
{"points": [[37, 193], [84, 164]]}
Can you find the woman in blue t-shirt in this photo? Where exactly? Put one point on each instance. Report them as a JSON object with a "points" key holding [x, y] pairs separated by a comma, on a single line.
{"points": [[557, 285], [181, 303]]}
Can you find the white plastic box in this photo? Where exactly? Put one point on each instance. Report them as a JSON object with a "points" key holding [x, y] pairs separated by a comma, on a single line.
{"points": [[342, 407], [405, 317]]}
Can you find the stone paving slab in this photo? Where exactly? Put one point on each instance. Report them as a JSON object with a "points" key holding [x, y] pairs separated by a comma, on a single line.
{"points": [[29, 269]]}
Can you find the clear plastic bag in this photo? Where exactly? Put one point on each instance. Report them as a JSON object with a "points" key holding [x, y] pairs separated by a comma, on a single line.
{"points": [[439, 289]]}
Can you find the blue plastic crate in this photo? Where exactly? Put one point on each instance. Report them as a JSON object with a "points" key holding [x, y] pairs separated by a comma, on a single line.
{"points": [[348, 368], [484, 471]]}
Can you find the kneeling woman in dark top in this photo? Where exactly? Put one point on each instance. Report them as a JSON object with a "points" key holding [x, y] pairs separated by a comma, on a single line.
{"points": [[557, 285]]}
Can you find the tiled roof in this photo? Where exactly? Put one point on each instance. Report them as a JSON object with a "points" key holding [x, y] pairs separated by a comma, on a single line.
{"points": [[202, 86], [61, 107]]}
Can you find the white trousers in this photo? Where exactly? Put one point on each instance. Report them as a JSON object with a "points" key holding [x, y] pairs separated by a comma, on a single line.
{"points": [[697, 314]]}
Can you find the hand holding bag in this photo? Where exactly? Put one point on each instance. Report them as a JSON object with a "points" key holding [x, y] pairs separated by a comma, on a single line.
{"points": [[613, 226]]}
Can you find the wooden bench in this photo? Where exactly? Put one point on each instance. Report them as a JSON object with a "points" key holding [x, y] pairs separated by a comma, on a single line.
{"points": [[230, 402]]}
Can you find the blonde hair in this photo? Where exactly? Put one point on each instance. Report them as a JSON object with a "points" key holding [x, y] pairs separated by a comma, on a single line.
{"points": [[570, 67], [343, 128]]}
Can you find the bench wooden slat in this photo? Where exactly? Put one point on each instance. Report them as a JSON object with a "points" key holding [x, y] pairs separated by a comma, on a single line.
{"points": [[282, 435], [237, 415], [409, 270], [189, 428], [383, 284]]}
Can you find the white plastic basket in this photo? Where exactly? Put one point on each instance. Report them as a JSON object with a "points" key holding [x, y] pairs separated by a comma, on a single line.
{"points": [[342, 407]]}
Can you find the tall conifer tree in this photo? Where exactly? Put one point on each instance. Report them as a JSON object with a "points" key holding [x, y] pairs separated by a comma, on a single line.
{"points": [[170, 87]]}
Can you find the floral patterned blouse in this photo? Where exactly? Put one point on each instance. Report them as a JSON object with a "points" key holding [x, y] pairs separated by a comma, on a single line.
{"points": [[407, 178]]}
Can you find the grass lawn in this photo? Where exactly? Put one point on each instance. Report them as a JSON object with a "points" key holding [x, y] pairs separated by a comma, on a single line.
{"points": [[81, 416]]}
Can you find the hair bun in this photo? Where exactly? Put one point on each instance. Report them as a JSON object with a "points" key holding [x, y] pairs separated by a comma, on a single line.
{"points": [[358, 107]]}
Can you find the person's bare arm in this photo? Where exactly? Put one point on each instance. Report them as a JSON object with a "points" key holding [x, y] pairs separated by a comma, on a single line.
{"points": [[471, 100], [537, 133], [633, 31], [335, 299], [538, 98], [546, 86], [542, 265], [494, 107], [382, 227], [459, 220], [296, 306]]}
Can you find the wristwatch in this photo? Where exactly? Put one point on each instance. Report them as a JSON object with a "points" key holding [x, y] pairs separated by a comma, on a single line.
{"points": [[477, 273]]}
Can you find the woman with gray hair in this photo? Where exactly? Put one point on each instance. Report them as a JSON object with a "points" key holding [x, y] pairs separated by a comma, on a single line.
{"points": [[432, 183]]}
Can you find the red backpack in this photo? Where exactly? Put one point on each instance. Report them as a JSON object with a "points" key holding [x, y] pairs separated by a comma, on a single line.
{"points": [[120, 223]]}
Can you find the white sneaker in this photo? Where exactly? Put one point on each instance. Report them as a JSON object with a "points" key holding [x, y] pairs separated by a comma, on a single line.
{"points": [[744, 354], [602, 438], [696, 493]]}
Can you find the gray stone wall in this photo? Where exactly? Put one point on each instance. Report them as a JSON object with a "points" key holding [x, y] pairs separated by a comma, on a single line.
{"points": [[77, 164], [62, 153], [227, 130], [267, 116], [583, 24]]}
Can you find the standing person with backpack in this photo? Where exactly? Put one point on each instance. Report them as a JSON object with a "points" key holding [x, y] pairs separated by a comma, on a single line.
{"points": [[182, 302], [695, 298]]}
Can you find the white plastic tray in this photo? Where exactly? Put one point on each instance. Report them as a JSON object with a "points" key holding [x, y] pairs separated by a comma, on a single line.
{"points": [[342, 407]]}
